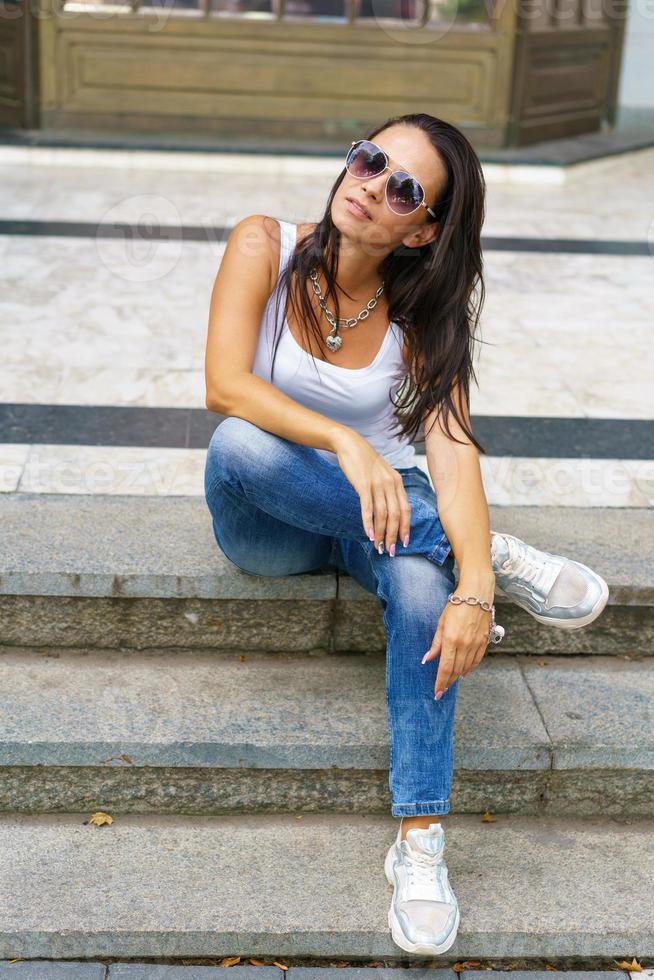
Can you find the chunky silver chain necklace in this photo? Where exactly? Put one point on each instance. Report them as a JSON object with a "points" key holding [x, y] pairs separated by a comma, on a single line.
{"points": [[333, 341]]}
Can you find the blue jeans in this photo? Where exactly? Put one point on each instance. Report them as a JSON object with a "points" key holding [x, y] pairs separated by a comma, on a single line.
{"points": [[280, 508]]}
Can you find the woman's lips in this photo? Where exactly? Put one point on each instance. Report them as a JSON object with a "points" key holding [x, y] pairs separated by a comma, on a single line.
{"points": [[357, 211]]}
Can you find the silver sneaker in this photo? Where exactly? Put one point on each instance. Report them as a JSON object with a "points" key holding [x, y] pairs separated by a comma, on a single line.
{"points": [[424, 912], [556, 591]]}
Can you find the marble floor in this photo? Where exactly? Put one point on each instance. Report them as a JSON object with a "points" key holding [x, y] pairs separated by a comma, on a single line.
{"points": [[87, 320]]}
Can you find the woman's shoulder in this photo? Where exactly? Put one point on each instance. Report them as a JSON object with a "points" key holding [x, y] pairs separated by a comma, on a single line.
{"points": [[272, 227], [258, 235], [261, 232]]}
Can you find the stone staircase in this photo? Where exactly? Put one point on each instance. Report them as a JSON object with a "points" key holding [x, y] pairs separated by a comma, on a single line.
{"points": [[235, 728]]}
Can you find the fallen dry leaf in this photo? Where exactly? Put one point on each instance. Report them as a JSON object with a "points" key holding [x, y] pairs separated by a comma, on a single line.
{"points": [[634, 966], [256, 962], [488, 817], [282, 966], [229, 961], [100, 818]]}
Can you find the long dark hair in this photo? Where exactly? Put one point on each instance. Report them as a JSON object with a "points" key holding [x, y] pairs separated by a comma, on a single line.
{"points": [[430, 290]]}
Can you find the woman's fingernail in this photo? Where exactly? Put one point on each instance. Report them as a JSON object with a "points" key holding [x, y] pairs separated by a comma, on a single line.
{"points": [[439, 695], [391, 551], [380, 548], [371, 534], [425, 657], [406, 541]]}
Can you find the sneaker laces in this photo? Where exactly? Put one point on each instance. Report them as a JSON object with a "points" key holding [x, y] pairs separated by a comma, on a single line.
{"points": [[421, 868], [522, 564]]}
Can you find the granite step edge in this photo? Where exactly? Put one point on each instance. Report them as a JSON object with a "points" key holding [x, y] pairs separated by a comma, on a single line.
{"points": [[251, 885]]}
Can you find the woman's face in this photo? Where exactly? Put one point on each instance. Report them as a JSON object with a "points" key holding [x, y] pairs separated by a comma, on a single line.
{"points": [[409, 149]]}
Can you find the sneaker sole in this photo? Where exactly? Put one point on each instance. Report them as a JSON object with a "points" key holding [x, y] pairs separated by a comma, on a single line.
{"points": [[565, 624], [399, 938]]}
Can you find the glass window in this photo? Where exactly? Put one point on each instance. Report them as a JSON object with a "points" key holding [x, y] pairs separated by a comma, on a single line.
{"points": [[427, 11], [405, 10], [470, 12], [242, 8]]}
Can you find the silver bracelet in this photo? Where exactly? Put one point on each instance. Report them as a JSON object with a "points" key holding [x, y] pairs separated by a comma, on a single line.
{"points": [[495, 632]]}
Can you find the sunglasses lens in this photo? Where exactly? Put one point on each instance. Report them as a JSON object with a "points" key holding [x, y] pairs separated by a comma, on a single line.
{"points": [[365, 160], [403, 193]]}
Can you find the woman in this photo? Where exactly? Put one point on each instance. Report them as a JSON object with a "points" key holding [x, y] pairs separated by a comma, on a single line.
{"points": [[314, 463]]}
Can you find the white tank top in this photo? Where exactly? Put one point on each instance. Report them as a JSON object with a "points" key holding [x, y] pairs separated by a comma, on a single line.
{"points": [[356, 397]]}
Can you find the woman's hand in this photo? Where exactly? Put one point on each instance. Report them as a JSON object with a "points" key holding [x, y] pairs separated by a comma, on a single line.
{"points": [[461, 639], [385, 507]]}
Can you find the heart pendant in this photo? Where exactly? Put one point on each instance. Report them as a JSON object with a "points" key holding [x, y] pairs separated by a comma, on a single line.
{"points": [[333, 342], [497, 633]]}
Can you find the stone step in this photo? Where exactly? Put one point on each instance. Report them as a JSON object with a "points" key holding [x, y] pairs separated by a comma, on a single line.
{"points": [[208, 733], [146, 573], [314, 885]]}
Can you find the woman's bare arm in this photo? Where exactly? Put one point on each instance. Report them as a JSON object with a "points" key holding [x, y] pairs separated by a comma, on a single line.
{"points": [[243, 285], [456, 476], [462, 506], [461, 639]]}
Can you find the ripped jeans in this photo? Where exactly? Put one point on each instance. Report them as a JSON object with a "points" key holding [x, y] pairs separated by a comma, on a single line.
{"points": [[280, 508]]}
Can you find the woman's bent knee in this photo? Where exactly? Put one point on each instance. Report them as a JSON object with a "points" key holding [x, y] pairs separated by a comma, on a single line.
{"points": [[231, 435], [235, 443], [417, 583]]}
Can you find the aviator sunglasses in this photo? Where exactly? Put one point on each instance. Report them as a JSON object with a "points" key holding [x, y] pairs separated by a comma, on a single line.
{"points": [[404, 194]]}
